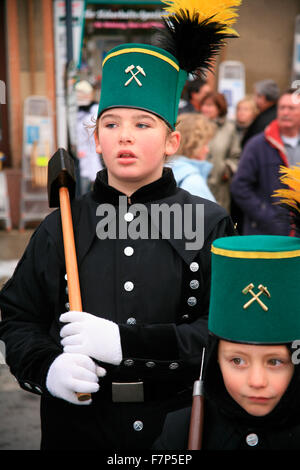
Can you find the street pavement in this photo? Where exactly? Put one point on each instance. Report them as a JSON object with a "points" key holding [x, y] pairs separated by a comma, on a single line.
{"points": [[19, 410]]}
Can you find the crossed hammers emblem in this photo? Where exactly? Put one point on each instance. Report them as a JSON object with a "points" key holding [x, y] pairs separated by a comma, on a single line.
{"points": [[129, 69], [262, 289]]}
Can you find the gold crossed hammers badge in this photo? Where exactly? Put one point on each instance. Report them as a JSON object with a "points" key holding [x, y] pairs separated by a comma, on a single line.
{"points": [[255, 297], [130, 69]]}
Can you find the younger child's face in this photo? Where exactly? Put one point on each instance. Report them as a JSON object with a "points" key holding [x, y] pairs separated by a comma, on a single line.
{"points": [[134, 144], [255, 376]]}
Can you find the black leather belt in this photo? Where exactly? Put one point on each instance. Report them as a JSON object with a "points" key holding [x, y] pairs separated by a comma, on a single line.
{"points": [[139, 391]]}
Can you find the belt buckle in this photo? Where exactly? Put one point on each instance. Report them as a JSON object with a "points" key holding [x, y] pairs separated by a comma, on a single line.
{"points": [[126, 392]]}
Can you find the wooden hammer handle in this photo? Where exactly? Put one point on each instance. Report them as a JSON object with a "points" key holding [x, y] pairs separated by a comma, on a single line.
{"points": [[196, 424], [71, 260]]}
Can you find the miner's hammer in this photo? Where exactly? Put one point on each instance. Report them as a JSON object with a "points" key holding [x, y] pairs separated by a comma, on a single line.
{"points": [[61, 189]]}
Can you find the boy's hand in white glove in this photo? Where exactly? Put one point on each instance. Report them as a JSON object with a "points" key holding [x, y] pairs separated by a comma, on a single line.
{"points": [[92, 336], [73, 373]]}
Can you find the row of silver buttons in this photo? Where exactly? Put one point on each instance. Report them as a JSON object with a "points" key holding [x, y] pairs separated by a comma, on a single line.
{"points": [[150, 364], [128, 251], [194, 284], [129, 286]]}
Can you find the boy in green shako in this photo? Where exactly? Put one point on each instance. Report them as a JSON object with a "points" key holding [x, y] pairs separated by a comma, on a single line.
{"points": [[136, 346], [252, 376]]}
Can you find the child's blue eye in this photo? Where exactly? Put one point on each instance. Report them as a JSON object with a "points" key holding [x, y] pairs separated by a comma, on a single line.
{"points": [[111, 125], [142, 125]]}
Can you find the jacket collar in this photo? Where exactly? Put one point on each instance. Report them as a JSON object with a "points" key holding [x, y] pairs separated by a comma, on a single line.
{"points": [[159, 189], [272, 135]]}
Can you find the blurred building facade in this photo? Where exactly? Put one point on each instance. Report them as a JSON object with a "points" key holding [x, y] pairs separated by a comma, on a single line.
{"points": [[29, 40]]}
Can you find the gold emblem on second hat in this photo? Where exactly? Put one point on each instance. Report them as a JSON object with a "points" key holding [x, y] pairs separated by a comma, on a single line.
{"points": [[130, 69], [255, 297]]}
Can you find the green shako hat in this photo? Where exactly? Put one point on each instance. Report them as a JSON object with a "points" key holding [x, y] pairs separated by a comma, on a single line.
{"points": [[255, 294], [151, 77], [144, 77]]}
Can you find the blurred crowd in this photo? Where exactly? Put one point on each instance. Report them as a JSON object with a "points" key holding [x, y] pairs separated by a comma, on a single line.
{"points": [[237, 161], [234, 162]]}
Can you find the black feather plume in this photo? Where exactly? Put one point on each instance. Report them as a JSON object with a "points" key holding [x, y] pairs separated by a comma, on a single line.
{"points": [[193, 43]]}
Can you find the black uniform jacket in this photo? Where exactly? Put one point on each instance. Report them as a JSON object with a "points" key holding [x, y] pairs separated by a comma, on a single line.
{"points": [[227, 426], [157, 292]]}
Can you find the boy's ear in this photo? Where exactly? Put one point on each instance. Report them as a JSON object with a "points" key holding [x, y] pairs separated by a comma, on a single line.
{"points": [[173, 142], [98, 146]]}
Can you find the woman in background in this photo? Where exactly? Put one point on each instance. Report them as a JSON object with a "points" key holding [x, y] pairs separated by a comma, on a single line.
{"points": [[189, 166], [224, 148], [246, 112]]}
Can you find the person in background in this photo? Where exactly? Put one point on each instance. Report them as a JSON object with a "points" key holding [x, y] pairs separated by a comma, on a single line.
{"points": [[89, 160], [224, 148], [196, 90], [246, 112], [258, 175], [266, 96], [189, 166]]}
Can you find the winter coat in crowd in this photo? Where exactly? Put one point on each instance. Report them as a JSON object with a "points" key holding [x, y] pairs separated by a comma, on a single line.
{"points": [[224, 154], [259, 124], [256, 180], [191, 175]]}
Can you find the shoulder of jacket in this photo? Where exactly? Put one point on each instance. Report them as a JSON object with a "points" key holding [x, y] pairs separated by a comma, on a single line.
{"points": [[52, 222], [199, 217], [256, 142], [211, 209]]}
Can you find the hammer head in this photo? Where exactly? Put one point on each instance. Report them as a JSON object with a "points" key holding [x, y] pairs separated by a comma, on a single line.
{"points": [[130, 67], [247, 288], [141, 70], [61, 173], [264, 290]]}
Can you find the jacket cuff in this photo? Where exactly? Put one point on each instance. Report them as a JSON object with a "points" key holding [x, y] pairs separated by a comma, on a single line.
{"points": [[38, 385]]}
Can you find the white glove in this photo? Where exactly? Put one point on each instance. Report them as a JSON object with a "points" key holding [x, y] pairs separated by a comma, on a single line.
{"points": [[73, 373], [92, 336]]}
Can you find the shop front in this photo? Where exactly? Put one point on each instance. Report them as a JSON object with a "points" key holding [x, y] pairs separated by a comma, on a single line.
{"points": [[109, 23]]}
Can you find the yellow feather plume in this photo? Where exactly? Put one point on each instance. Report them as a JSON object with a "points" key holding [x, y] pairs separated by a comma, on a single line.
{"points": [[291, 178], [220, 11]]}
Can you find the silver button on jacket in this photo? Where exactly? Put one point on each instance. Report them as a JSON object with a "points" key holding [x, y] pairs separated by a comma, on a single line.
{"points": [[252, 439], [194, 267], [128, 286]]}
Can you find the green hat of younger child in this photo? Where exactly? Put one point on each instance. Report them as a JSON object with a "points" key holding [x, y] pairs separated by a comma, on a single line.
{"points": [[255, 290], [144, 77]]}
